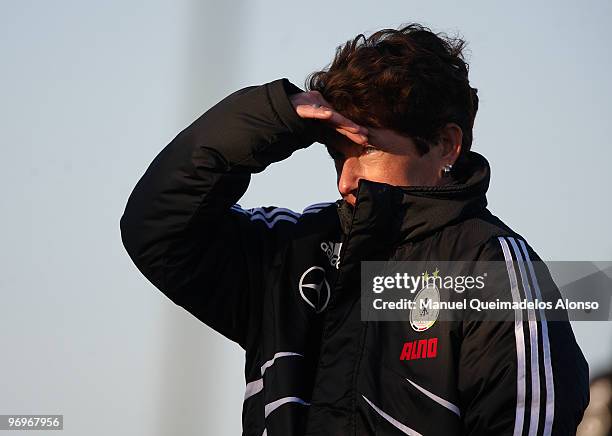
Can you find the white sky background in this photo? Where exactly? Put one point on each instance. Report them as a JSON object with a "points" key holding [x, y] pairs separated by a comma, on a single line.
{"points": [[91, 91]]}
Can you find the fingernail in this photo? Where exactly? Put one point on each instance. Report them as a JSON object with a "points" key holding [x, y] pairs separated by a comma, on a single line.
{"points": [[327, 112]]}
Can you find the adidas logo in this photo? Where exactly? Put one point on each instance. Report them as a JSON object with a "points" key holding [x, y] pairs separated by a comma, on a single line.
{"points": [[332, 250]]}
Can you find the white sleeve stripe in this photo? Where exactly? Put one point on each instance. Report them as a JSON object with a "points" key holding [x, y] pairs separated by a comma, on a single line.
{"points": [[520, 342], [270, 362], [276, 219], [275, 211], [271, 407], [317, 205], [266, 217], [253, 388], [266, 213], [312, 211], [270, 217], [257, 386], [237, 209], [276, 214], [450, 406], [313, 207], [550, 387], [394, 422], [533, 344]]}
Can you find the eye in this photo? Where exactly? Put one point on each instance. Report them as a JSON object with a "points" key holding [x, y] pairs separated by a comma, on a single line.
{"points": [[369, 149]]}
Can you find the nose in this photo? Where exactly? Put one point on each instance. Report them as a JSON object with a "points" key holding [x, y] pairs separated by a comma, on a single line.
{"points": [[348, 179]]}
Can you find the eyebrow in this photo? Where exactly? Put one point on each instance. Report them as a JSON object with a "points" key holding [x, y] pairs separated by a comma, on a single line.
{"points": [[335, 154]]}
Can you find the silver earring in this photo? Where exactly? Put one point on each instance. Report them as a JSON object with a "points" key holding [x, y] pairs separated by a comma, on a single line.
{"points": [[446, 169]]}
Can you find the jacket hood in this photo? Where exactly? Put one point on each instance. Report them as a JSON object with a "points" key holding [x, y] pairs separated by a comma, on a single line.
{"points": [[401, 213]]}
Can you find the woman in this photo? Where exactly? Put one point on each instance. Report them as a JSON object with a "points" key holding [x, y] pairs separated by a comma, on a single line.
{"points": [[396, 112]]}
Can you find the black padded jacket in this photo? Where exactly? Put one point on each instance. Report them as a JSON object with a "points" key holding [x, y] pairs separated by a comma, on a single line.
{"points": [[285, 286]]}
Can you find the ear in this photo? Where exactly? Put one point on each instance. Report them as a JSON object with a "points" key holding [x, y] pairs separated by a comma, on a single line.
{"points": [[449, 146]]}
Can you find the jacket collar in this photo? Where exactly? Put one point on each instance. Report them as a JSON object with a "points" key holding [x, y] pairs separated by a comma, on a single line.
{"points": [[395, 214]]}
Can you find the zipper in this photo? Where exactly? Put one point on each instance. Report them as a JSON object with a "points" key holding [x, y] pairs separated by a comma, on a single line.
{"points": [[360, 348], [344, 240], [344, 243]]}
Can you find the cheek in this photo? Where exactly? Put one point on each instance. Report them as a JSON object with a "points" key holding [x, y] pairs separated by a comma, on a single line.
{"points": [[406, 171], [422, 173], [400, 170]]}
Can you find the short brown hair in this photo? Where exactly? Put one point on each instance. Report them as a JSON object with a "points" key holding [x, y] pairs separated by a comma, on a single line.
{"points": [[410, 80]]}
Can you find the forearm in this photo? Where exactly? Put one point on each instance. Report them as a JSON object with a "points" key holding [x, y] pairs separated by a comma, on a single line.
{"points": [[194, 180]]}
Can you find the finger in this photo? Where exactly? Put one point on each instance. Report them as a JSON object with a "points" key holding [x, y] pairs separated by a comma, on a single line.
{"points": [[314, 111], [344, 122], [355, 137], [354, 129], [341, 121]]}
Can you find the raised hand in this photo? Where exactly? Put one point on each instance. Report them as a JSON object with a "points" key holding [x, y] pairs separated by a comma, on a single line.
{"points": [[311, 104]]}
